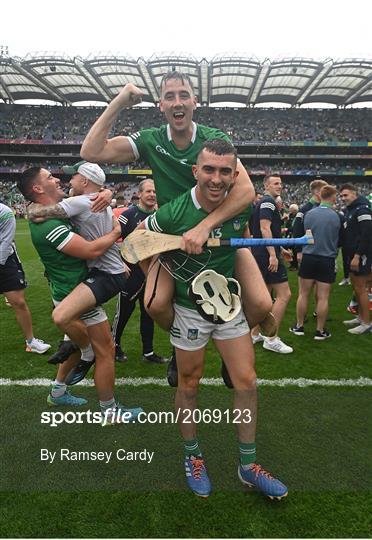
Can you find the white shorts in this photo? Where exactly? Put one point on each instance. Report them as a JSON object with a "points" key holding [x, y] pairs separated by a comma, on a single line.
{"points": [[95, 316], [190, 332]]}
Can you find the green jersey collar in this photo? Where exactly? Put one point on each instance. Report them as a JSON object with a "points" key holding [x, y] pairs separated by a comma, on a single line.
{"points": [[326, 204], [193, 137], [194, 199]]}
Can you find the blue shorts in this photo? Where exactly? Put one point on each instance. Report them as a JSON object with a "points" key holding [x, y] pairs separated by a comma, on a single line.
{"points": [[271, 278]]}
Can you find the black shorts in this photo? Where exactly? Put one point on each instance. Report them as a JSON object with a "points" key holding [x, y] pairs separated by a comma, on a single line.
{"points": [[317, 267], [12, 276], [365, 265], [134, 285], [271, 278], [103, 285]]}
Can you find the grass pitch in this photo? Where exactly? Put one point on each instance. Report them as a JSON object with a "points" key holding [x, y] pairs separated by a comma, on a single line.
{"points": [[316, 439]]}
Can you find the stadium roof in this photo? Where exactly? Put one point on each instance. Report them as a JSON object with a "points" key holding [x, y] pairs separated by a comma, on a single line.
{"points": [[224, 78]]}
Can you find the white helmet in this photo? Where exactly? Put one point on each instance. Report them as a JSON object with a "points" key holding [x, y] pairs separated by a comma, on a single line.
{"points": [[217, 298]]}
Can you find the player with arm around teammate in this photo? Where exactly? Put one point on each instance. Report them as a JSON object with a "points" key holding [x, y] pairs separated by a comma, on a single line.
{"points": [[171, 151], [215, 171], [107, 273], [60, 250]]}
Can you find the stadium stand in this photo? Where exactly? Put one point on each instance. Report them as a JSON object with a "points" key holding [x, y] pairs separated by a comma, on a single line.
{"points": [[299, 143], [48, 124]]}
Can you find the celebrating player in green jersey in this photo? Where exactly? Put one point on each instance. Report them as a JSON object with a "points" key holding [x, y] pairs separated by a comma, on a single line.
{"points": [[215, 171], [171, 151], [60, 250]]}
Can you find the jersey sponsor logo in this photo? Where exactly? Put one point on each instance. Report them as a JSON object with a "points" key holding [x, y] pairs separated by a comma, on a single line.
{"points": [[161, 150], [192, 334], [236, 224]]}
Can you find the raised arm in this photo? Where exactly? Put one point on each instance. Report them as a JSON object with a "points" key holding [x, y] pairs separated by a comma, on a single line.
{"points": [[239, 197], [96, 146]]}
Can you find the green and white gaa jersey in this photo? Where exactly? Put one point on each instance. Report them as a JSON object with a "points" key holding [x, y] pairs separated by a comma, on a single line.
{"points": [[181, 215], [171, 167], [63, 272]]}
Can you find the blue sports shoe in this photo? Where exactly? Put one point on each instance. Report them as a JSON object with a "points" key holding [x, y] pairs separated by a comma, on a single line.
{"points": [[79, 372], [257, 477], [116, 417], [197, 477], [66, 399]]}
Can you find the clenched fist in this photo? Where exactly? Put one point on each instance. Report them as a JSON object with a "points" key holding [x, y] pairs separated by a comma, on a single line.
{"points": [[129, 96]]}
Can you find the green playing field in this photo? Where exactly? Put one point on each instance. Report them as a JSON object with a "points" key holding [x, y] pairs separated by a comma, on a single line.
{"points": [[315, 436]]}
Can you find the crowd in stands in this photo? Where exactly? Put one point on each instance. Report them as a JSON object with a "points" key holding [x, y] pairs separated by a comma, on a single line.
{"points": [[57, 123], [305, 167], [294, 192], [10, 196]]}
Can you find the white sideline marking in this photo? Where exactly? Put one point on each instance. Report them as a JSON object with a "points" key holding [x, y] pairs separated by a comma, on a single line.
{"points": [[140, 381]]}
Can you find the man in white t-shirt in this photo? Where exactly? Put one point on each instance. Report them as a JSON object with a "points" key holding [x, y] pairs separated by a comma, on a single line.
{"points": [[107, 273]]}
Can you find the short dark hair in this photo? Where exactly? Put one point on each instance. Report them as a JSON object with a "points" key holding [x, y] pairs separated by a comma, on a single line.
{"points": [[350, 187], [178, 76], [26, 181], [271, 175], [220, 147]]}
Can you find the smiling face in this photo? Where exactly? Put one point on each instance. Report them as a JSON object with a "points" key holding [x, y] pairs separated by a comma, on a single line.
{"points": [[177, 102], [214, 175], [78, 183], [47, 187], [273, 186], [348, 196]]}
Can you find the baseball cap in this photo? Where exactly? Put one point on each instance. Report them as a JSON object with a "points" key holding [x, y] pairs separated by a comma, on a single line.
{"points": [[92, 171]]}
